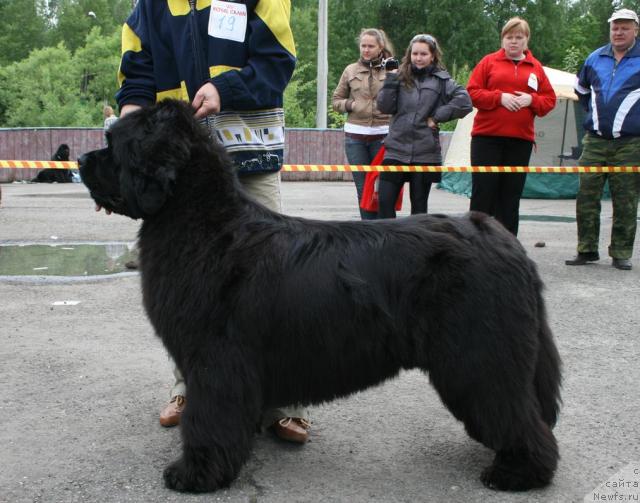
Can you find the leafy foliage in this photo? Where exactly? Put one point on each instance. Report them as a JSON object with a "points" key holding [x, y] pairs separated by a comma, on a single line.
{"points": [[297, 102], [21, 29], [42, 90], [52, 87], [72, 20]]}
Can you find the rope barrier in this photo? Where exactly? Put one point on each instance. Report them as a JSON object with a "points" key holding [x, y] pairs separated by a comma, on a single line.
{"points": [[398, 169]]}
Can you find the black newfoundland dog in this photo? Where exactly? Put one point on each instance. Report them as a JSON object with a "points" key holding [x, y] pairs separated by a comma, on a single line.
{"points": [[53, 175], [261, 310]]}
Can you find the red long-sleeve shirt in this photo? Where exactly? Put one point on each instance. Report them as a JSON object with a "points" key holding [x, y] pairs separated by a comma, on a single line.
{"points": [[496, 74]]}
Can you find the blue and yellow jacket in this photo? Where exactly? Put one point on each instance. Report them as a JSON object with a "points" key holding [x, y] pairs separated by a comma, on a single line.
{"points": [[168, 53], [610, 92]]}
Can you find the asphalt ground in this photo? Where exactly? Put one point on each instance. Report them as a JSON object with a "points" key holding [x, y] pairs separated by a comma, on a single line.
{"points": [[82, 382]]}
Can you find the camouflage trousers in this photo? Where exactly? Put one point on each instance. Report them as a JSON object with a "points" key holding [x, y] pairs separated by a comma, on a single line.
{"points": [[624, 188]]}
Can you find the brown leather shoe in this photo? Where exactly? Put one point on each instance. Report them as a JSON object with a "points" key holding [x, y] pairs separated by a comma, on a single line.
{"points": [[292, 429], [170, 415]]}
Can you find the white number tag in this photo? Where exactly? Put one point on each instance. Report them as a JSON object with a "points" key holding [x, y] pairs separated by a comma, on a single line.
{"points": [[533, 81], [228, 20]]}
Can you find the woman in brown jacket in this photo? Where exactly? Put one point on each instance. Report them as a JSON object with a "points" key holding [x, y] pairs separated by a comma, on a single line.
{"points": [[356, 95]]}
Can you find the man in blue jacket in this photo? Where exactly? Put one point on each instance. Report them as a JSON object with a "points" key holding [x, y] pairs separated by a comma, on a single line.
{"points": [[609, 88], [232, 61]]}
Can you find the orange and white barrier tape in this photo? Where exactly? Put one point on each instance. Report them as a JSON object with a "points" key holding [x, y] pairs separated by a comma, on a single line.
{"points": [[463, 169], [398, 169], [39, 164]]}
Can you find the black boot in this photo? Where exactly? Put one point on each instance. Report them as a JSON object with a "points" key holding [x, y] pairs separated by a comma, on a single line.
{"points": [[583, 258]]}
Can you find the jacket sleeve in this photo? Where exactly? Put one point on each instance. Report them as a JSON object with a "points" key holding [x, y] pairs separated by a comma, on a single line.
{"points": [[544, 99], [387, 100], [341, 94], [458, 103], [270, 64], [583, 87], [481, 97], [135, 75]]}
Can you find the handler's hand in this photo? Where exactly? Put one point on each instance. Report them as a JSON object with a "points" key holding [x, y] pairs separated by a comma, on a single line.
{"points": [[206, 101], [510, 102], [127, 109], [523, 99], [432, 123]]}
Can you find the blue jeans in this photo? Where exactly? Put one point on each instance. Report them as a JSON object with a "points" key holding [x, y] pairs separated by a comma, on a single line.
{"points": [[361, 152]]}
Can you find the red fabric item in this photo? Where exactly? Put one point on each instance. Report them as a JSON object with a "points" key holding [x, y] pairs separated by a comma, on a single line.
{"points": [[369, 201], [496, 74]]}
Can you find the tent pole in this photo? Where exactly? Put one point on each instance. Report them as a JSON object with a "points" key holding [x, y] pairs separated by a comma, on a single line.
{"points": [[564, 131]]}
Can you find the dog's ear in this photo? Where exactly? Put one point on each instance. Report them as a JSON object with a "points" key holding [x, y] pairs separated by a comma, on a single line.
{"points": [[158, 151]]}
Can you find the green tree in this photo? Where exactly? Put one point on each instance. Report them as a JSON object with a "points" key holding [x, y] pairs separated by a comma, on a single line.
{"points": [[22, 28], [346, 19], [99, 60], [547, 20], [300, 112], [72, 20], [587, 30], [52, 87], [42, 90], [300, 96]]}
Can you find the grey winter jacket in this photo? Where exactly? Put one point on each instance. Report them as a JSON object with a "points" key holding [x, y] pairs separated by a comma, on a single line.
{"points": [[410, 139]]}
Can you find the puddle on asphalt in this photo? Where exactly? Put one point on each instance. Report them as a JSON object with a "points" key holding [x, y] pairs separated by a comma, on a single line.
{"points": [[547, 218], [65, 259], [98, 259]]}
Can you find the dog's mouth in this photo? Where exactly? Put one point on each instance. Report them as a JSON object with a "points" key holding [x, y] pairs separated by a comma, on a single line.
{"points": [[102, 184], [113, 203]]}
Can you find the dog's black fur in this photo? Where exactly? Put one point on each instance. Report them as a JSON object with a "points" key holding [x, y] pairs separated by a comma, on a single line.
{"points": [[262, 310]]}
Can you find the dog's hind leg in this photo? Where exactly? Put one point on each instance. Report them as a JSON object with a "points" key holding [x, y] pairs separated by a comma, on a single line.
{"points": [[505, 417], [223, 406], [548, 373], [526, 462], [530, 456]]}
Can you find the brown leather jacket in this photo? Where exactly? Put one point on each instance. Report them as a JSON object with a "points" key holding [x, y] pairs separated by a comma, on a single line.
{"points": [[356, 95]]}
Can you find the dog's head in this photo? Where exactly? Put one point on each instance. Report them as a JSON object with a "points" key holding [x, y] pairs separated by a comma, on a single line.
{"points": [[147, 149]]}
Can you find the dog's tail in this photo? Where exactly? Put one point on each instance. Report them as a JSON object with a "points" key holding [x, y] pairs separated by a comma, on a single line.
{"points": [[548, 377]]}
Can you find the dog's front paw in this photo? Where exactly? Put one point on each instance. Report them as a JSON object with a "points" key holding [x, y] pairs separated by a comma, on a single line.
{"points": [[180, 476]]}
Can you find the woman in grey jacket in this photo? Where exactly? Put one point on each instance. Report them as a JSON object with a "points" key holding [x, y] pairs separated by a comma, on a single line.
{"points": [[419, 95]]}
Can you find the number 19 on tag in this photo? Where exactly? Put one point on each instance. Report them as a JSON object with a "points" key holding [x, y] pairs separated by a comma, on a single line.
{"points": [[228, 20]]}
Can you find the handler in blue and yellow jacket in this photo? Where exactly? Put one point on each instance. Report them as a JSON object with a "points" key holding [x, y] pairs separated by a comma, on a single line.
{"points": [[232, 60], [608, 87]]}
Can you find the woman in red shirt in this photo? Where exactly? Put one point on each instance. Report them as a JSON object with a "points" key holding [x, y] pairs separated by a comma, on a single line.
{"points": [[509, 88]]}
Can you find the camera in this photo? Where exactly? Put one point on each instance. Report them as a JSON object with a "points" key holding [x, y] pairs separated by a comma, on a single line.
{"points": [[390, 64]]}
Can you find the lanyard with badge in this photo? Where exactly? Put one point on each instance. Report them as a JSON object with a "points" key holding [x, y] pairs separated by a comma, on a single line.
{"points": [[228, 20]]}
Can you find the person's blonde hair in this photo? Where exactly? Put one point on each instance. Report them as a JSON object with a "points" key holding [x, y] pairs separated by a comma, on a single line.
{"points": [[107, 111], [515, 24], [381, 38]]}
